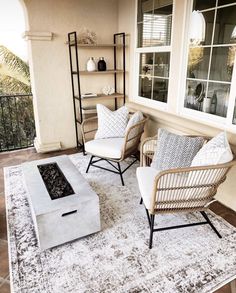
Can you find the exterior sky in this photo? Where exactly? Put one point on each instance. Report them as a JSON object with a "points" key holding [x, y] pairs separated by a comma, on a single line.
{"points": [[12, 26]]}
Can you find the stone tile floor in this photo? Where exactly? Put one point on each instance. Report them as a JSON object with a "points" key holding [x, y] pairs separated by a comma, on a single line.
{"points": [[18, 157]]}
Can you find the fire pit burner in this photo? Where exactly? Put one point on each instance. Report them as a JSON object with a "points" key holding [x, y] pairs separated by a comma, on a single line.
{"points": [[55, 181]]}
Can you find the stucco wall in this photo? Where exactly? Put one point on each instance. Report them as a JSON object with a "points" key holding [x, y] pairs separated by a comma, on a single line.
{"points": [[170, 119], [49, 61]]}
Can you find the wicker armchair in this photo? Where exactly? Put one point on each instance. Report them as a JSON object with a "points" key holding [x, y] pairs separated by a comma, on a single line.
{"points": [[177, 190], [111, 150]]}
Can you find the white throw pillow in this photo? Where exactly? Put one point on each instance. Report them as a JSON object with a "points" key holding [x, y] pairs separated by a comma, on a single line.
{"points": [[111, 123], [215, 151], [134, 119]]}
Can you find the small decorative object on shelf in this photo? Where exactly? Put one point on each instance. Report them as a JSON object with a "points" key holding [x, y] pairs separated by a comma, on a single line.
{"points": [[102, 64], [86, 36], [91, 65], [108, 90], [88, 95], [213, 103]]}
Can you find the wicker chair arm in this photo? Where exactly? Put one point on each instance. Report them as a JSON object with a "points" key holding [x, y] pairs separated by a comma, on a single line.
{"points": [[147, 150], [133, 136], [179, 185], [88, 128]]}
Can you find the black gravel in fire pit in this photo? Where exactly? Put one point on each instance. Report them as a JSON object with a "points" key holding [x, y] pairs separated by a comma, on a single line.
{"points": [[55, 181]]}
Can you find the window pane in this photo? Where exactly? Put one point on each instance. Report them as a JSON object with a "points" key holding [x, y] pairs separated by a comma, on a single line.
{"points": [[234, 117], [198, 62], [209, 18], [203, 4], [161, 64], [222, 63], [195, 93], [225, 32], [160, 89], [155, 29], [162, 21], [201, 27], [205, 95], [144, 7], [145, 34], [145, 87], [219, 94], [146, 64], [223, 2]]}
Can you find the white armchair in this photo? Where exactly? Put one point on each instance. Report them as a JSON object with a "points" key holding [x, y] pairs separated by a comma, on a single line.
{"points": [[177, 190], [111, 150]]}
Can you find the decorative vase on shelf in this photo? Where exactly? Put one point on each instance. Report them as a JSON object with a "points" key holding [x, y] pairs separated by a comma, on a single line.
{"points": [[91, 65], [102, 64]]}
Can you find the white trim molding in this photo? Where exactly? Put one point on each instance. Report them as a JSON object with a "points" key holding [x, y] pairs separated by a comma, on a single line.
{"points": [[46, 147], [37, 36]]}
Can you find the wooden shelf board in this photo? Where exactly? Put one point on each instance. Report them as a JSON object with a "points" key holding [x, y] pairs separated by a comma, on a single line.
{"points": [[110, 71], [102, 96], [96, 45]]}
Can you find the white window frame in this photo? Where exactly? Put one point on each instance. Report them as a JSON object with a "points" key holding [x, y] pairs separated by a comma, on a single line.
{"points": [[137, 53], [211, 120]]}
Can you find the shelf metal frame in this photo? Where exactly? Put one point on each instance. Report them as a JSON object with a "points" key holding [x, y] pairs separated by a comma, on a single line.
{"points": [[75, 75]]}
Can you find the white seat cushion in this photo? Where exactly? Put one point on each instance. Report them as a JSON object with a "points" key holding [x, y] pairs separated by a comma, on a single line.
{"points": [[146, 176], [107, 147]]}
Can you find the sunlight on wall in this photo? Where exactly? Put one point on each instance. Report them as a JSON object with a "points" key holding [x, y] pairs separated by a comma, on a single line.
{"points": [[12, 25]]}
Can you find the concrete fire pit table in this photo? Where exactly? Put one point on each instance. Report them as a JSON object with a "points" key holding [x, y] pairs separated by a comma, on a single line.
{"points": [[63, 205]]}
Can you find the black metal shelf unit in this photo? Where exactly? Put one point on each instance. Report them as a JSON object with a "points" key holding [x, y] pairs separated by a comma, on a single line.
{"points": [[74, 47]]}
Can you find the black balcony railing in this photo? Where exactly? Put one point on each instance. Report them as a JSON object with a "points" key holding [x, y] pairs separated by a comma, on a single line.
{"points": [[17, 128]]}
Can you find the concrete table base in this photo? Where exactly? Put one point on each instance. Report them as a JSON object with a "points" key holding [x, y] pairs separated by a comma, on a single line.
{"points": [[64, 219]]}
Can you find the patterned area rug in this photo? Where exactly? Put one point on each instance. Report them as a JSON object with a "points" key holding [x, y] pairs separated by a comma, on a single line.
{"points": [[117, 259]]}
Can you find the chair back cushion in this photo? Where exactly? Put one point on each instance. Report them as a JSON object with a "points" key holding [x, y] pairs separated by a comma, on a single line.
{"points": [[111, 123], [134, 119], [175, 151]]}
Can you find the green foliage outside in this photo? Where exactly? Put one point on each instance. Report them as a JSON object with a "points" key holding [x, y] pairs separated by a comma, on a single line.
{"points": [[17, 129]]}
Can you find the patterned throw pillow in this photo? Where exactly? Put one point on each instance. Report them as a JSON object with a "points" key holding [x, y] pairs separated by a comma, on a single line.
{"points": [[175, 151], [216, 151], [111, 123]]}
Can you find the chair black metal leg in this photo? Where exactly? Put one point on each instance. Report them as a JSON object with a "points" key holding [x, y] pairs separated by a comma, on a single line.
{"points": [[210, 223], [121, 177], [90, 162], [152, 217], [148, 216], [83, 150], [141, 201]]}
